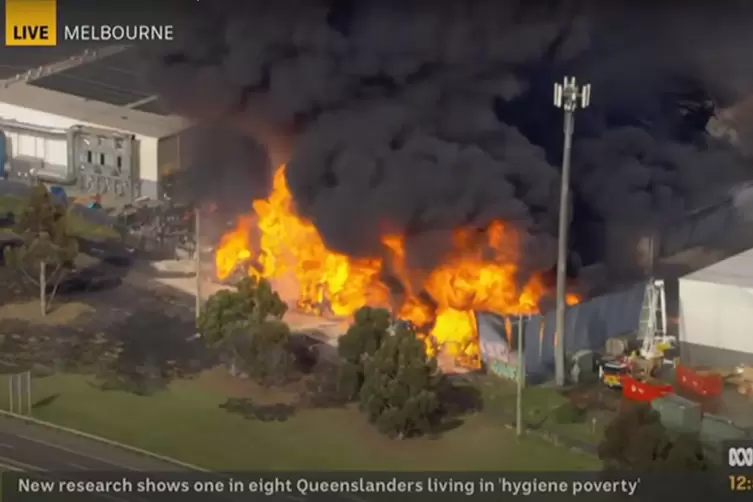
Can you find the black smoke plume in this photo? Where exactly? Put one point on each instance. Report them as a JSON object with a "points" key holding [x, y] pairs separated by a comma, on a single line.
{"points": [[419, 117]]}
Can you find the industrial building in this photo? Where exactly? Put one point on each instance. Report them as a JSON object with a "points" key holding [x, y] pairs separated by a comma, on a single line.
{"points": [[716, 306], [588, 325], [83, 119]]}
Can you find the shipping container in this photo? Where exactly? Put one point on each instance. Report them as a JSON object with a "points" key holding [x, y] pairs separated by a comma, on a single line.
{"points": [[678, 413]]}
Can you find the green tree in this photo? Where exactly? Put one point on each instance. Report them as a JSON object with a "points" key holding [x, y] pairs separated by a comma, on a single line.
{"points": [[400, 388], [231, 316], [266, 356], [636, 440], [47, 251], [358, 344]]}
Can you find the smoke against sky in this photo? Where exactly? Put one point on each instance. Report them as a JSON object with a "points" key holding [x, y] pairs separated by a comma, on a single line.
{"points": [[417, 117]]}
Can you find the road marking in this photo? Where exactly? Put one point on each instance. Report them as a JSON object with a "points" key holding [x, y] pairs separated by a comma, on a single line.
{"points": [[78, 466], [21, 465], [77, 453], [4, 445]]}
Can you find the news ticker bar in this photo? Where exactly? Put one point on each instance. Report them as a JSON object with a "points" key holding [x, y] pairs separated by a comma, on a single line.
{"points": [[48, 23], [363, 487]]}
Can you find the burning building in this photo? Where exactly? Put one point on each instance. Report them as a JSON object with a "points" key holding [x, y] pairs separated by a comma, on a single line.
{"points": [[421, 149], [479, 272]]}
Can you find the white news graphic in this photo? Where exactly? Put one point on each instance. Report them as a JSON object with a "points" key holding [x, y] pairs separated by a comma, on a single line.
{"points": [[740, 457]]}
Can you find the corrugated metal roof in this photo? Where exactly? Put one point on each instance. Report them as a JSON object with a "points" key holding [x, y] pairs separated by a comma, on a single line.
{"points": [[22, 59], [106, 90], [92, 112], [116, 79], [736, 270], [154, 106]]}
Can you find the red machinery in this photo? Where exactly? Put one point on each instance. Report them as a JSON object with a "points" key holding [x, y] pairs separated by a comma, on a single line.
{"points": [[638, 390], [700, 382], [611, 371]]}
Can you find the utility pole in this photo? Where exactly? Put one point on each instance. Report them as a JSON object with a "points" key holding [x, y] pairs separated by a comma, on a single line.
{"points": [[521, 377], [197, 258], [569, 97]]}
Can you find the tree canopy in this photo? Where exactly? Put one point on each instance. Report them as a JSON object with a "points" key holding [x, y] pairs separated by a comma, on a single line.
{"points": [[400, 387], [247, 322], [361, 341], [47, 250], [231, 312]]}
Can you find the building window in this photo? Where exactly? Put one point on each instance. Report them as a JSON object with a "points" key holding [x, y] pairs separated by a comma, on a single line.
{"points": [[119, 161], [89, 156], [101, 159]]}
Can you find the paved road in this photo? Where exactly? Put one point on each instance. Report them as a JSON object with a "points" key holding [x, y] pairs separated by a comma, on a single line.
{"points": [[34, 447], [52, 456], [28, 447]]}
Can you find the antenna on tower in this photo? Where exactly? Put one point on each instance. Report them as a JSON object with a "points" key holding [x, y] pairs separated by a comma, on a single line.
{"points": [[569, 97]]}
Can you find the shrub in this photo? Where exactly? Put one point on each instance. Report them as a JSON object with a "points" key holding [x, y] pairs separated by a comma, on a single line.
{"points": [[399, 391], [231, 319], [358, 344], [266, 357], [636, 440]]}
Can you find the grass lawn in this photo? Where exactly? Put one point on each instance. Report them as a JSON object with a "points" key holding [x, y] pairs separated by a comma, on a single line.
{"points": [[77, 225], [539, 403], [186, 422]]}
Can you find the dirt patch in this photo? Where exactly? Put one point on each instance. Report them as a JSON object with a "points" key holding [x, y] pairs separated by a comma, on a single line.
{"points": [[594, 397], [64, 313]]}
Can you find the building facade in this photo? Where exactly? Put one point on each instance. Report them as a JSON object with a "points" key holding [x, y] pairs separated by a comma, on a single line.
{"points": [[716, 304], [89, 124]]}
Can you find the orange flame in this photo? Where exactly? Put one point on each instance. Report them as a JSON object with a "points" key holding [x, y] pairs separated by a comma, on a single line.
{"points": [[479, 274]]}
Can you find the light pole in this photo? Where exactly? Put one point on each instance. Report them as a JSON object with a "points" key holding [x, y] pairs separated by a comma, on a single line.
{"points": [[197, 258], [521, 377], [569, 97]]}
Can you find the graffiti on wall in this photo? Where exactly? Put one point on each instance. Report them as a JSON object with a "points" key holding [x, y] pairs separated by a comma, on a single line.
{"points": [[504, 369], [499, 359]]}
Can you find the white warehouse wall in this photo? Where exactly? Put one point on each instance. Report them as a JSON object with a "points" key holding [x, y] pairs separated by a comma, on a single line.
{"points": [[715, 322], [147, 146], [51, 151], [716, 315]]}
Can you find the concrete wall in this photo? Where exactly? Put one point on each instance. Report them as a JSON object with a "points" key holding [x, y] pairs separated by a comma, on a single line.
{"points": [[694, 354]]}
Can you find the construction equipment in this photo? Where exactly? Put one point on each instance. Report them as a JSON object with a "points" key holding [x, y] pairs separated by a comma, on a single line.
{"points": [[611, 372], [656, 343]]}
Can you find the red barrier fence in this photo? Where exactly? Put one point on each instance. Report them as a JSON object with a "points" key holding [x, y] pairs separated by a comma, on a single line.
{"points": [[644, 391], [700, 382]]}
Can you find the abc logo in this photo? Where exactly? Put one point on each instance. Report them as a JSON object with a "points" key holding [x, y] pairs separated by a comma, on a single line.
{"points": [[740, 457]]}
